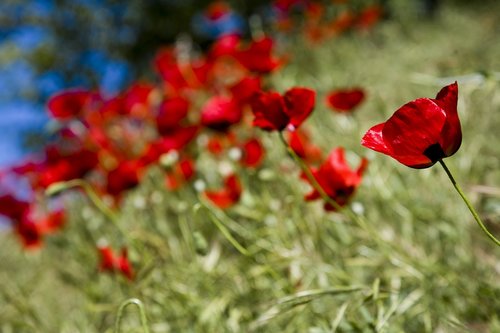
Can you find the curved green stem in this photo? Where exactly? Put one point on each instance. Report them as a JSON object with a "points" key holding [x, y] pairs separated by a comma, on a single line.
{"points": [[222, 228], [87, 188], [468, 204], [227, 234], [142, 314], [91, 194]]}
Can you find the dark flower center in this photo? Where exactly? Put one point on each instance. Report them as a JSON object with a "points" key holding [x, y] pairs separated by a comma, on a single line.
{"points": [[434, 152]]}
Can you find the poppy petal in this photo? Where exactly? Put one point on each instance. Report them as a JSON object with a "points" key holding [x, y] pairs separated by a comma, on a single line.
{"points": [[269, 111], [451, 135], [220, 112], [374, 139], [253, 152], [299, 104], [412, 129]]}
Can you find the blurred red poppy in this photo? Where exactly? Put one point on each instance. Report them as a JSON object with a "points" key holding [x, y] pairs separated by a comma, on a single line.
{"points": [[215, 145], [337, 179], [225, 45], [275, 112], [29, 233], [178, 75], [257, 56], [125, 176], [170, 113], [110, 262], [69, 103], [171, 140], [182, 172], [12, 207], [227, 196], [31, 229], [345, 100], [244, 90], [62, 166], [253, 153], [369, 16], [216, 10], [421, 132], [220, 112], [137, 96]]}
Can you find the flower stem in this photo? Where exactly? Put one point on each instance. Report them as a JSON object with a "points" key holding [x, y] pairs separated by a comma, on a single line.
{"points": [[94, 198], [142, 314], [467, 202], [312, 180], [222, 228], [92, 195]]}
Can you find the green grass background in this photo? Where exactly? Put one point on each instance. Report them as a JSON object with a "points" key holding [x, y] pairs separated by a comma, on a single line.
{"points": [[428, 268]]}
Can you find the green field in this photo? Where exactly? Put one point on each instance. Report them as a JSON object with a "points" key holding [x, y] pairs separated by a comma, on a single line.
{"points": [[422, 265]]}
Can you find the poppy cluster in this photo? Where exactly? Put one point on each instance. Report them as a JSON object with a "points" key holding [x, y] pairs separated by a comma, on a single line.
{"points": [[29, 222], [202, 103], [320, 23]]}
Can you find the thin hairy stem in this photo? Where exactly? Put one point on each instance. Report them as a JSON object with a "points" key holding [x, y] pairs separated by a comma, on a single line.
{"points": [[468, 204]]}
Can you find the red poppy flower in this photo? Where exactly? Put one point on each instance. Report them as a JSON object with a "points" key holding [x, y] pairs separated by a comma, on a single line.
{"points": [[275, 112], [112, 263], [229, 195], [59, 166], [253, 153], [369, 16], [52, 221], [217, 10], [225, 45], [29, 232], [125, 176], [124, 265], [69, 103], [257, 57], [215, 145], [174, 140], [180, 173], [171, 112], [244, 90], [136, 96], [421, 132], [178, 139], [178, 75], [287, 5], [12, 207], [337, 179], [220, 112], [31, 229], [345, 100]]}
